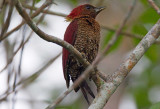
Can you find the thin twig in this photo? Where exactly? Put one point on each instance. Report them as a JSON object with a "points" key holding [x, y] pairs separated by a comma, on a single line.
{"points": [[127, 34], [1, 4], [17, 74], [104, 76], [24, 82], [119, 30], [3, 13], [22, 49], [44, 11], [14, 90], [30, 79], [7, 23], [37, 12], [22, 44], [154, 6]]}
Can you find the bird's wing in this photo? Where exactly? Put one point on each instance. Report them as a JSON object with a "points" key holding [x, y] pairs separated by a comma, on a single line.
{"points": [[69, 37]]}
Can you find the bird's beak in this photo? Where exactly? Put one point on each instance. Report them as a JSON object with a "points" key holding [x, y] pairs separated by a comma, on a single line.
{"points": [[99, 9]]}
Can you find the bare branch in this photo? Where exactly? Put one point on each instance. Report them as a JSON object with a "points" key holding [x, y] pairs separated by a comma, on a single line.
{"points": [[7, 23], [44, 11], [104, 76], [21, 45], [1, 4], [117, 77], [154, 6], [30, 79], [24, 82], [37, 12]]}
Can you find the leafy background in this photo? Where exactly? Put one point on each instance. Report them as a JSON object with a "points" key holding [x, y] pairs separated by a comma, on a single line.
{"points": [[142, 86]]}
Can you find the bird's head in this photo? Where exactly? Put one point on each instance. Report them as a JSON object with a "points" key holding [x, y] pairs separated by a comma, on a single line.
{"points": [[84, 10]]}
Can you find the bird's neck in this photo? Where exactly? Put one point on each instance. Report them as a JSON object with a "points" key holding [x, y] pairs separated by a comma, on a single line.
{"points": [[80, 17], [84, 16]]}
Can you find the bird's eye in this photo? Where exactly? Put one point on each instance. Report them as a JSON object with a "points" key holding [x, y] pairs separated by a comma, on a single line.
{"points": [[88, 7]]}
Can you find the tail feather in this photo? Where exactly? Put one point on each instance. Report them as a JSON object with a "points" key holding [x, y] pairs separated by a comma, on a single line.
{"points": [[88, 89], [85, 95], [76, 89], [85, 88]]}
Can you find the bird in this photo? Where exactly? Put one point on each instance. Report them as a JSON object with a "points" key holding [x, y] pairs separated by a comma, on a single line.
{"points": [[83, 33]]}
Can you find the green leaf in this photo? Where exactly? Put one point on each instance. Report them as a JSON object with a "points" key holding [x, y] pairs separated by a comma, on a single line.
{"points": [[149, 16], [37, 1], [155, 106], [152, 53], [74, 2], [139, 29], [144, 2], [141, 97], [108, 37]]}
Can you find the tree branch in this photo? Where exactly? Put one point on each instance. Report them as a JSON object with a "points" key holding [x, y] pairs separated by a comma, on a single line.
{"points": [[24, 82], [37, 12], [44, 11], [21, 45], [7, 23], [154, 6], [117, 77]]}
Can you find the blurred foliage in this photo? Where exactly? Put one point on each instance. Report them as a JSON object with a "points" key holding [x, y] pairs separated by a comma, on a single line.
{"points": [[108, 37], [148, 18], [148, 79], [155, 106], [145, 2], [74, 2], [55, 92], [75, 105], [37, 1]]}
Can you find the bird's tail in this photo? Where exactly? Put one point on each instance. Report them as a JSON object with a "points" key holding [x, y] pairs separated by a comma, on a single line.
{"points": [[84, 87]]}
